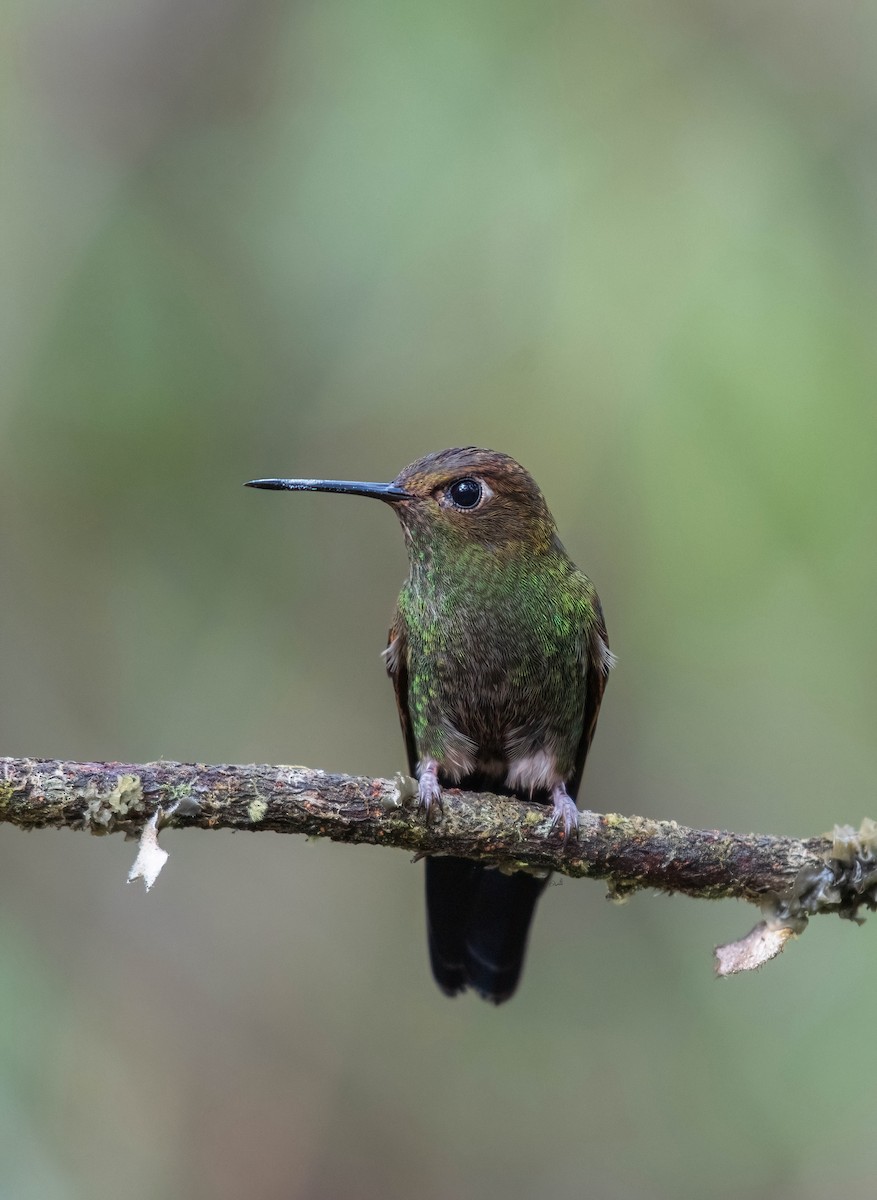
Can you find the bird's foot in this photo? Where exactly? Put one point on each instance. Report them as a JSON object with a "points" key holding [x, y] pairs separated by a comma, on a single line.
{"points": [[429, 790], [565, 811]]}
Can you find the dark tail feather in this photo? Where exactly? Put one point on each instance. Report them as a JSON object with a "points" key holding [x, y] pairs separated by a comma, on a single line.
{"points": [[496, 936], [450, 886], [478, 920]]}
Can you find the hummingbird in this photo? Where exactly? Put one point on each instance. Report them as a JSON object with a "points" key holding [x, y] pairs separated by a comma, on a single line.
{"points": [[499, 657]]}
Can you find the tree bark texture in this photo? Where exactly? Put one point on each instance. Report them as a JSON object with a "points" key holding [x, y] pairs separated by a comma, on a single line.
{"points": [[790, 879]]}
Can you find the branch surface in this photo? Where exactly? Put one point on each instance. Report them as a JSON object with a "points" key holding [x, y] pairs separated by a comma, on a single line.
{"points": [[790, 879]]}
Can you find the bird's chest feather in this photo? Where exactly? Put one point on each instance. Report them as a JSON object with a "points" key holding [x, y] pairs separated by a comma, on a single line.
{"points": [[497, 670]]}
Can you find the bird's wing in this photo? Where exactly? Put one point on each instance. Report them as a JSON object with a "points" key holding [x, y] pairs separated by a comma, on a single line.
{"points": [[598, 663], [396, 658]]}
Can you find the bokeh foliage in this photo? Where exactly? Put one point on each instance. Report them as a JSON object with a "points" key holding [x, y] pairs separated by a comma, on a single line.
{"points": [[632, 244]]}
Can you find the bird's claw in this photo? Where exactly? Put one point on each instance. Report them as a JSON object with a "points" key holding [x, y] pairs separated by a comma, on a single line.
{"points": [[429, 791], [565, 812]]}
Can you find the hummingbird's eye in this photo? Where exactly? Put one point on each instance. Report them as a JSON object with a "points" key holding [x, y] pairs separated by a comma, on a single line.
{"points": [[465, 493]]}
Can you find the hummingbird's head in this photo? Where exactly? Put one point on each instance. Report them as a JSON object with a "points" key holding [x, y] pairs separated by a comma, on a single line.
{"points": [[473, 495], [463, 496]]}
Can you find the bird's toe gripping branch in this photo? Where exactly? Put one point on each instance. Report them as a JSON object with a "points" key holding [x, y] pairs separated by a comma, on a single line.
{"points": [[429, 790], [565, 813]]}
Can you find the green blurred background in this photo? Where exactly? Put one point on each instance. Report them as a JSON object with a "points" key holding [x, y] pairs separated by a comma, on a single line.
{"points": [[633, 245]]}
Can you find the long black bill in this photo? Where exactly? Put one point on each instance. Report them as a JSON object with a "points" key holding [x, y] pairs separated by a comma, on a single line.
{"points": [[381, 491]]}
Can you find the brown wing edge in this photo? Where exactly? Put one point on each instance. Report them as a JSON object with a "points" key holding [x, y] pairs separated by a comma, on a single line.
{"points": [[600, 661], [396, 659]]}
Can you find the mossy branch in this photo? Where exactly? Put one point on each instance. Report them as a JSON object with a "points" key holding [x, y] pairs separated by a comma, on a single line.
{"points": [[789, 879]]}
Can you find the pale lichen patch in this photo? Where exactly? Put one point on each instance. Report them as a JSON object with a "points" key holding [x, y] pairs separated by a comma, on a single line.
{"points": [[848, 843], [104, 808], [150, 856], [760, 945], [404, 791], [256, 810]]}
